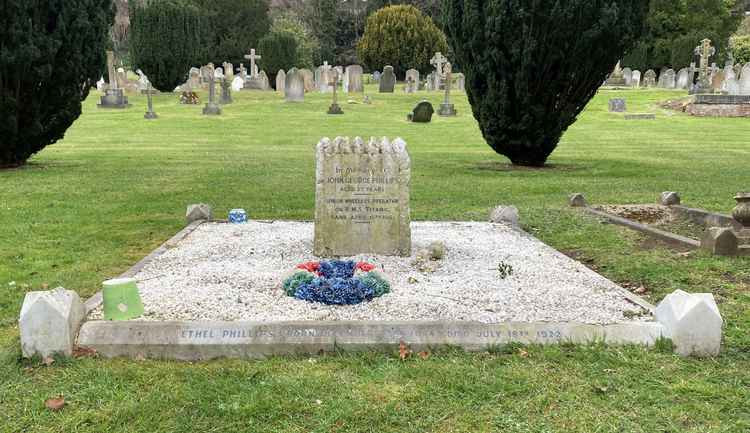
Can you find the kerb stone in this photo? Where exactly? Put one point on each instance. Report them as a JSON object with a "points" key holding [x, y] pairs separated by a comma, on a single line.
{"points": [[692, 321], [49, 322]]}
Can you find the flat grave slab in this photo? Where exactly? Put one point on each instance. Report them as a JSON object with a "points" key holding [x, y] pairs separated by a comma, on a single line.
{"points": [[233, 272]]}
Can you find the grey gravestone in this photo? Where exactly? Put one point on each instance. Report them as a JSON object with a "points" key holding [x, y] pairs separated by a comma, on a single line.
{"points": [[460, 82], [49, 322], [294, 87], [376, 76], [683, 79], [412, 81], [211, 108], [387, 80], [255, 81], [670, 198], [717, 82], [280, 80], [422, 113], [447, 109], [649, 78], [731, 86], [335, 108], [114, 97], [362, 197], [669, 79], [438, 60], [353, 82], [226, 90], [745, 80], [198, 212], [308, 79], [323, 77], [194, 79], [720, 241], [616, 78], [627, 74], [617, 105], [636, 82], [150, 114], [704, 51]]}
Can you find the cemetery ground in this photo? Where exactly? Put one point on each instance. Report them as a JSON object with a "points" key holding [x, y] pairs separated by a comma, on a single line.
{"points": [[88, 207]]}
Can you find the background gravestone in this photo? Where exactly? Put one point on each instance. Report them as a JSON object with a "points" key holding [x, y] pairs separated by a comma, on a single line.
{"points": [[308, 78], [387, 80], [280, 80], [362, 197], [354, 79], [636, 82], [294, 86], [617, 105], [422, 113]]}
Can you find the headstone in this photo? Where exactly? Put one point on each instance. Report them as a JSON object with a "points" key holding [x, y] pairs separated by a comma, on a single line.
{"points": [[729, 73], [627, 75], [617, 105], [253, 66], [422, 113], [280, 81], [683, 78], [704, 51], [150, 114], [353, 80], [228, 70], [414, 75], [649, 78], [362, 198], [720, 241], [238, 83], [122, 78], [636, 82], [670, 79], [745, 80], [49, 322], [194, 79], [243, 72], [692, 322], [438, 60], [335, 108], [447, 109], [211, 108], [376, 76], [731, 86], [294, 87], [717, 82], [323, 78], [257, 80], [308, 78], [670, 198], [460, 82], [114, 97], [226, 90], [410, 86], [198, 212], [507, 215], [616, 78], [387, 80], [144, 85]]}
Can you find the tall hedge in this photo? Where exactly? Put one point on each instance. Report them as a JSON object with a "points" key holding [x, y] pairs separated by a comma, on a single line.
{"points": [[531, 66], [167, 38], [400, 36], [235, 28], [51, 53], [278, 51]]}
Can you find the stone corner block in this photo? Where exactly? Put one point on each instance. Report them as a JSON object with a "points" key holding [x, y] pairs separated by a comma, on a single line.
{"points": [[720, 241], [692, 321], [670, 198], [49, 322], [577, 200], [507, 215], [197, 212]]}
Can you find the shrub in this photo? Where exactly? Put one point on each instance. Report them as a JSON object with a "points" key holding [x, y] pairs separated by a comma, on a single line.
{"points": [[235, 28], [52, 53], [741, 48], [166, 40], [308, 46], [278, 51], [531, 66], [400, 36]]}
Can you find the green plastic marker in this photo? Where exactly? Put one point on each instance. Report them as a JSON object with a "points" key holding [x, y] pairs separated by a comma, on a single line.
{"points": [[121, 299]]}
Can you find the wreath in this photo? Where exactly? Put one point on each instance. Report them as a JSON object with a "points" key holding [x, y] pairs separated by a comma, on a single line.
{"points": [[336, 282]]}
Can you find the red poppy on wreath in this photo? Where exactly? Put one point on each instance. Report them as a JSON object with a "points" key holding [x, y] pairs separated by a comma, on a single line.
{"points": [[313, 267], [365, 267]]}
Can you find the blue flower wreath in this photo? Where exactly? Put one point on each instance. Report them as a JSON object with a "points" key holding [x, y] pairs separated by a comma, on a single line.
{"points": [[336, 282]]}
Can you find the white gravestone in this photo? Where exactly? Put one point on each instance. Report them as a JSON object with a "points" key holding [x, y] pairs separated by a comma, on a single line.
{"points": [[362, 197], [49, 322], [692, 321]]}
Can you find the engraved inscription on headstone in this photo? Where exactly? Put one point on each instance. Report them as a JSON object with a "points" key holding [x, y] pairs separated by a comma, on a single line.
{"points": [[362, 197]]}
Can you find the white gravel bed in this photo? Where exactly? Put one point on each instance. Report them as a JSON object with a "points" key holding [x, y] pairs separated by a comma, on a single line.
{"points": [[228, 272]]}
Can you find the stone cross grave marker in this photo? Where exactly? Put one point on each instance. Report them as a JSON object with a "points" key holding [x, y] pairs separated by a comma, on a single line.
{"points": [[111, 70], [211, 108], [253, 67], [150, 100], [447, 108], [335, 108], [362, 197], [438, 60], [704, 51]]}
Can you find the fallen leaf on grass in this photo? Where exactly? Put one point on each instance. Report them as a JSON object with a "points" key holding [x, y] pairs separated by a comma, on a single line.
{"points": [[84, 352], [641, 290], [523, 353], [54, 404], [48, 360], [403, 350], [424, 355], [45, 286]]}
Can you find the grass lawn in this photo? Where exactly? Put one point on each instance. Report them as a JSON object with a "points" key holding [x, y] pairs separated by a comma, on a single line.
{"points": [[88, 207]]}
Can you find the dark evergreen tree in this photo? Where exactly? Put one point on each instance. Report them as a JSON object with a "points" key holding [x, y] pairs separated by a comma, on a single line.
{"points": [[279, 52], [167, 38], [51, 53], [531, 66], [235, 28]]}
